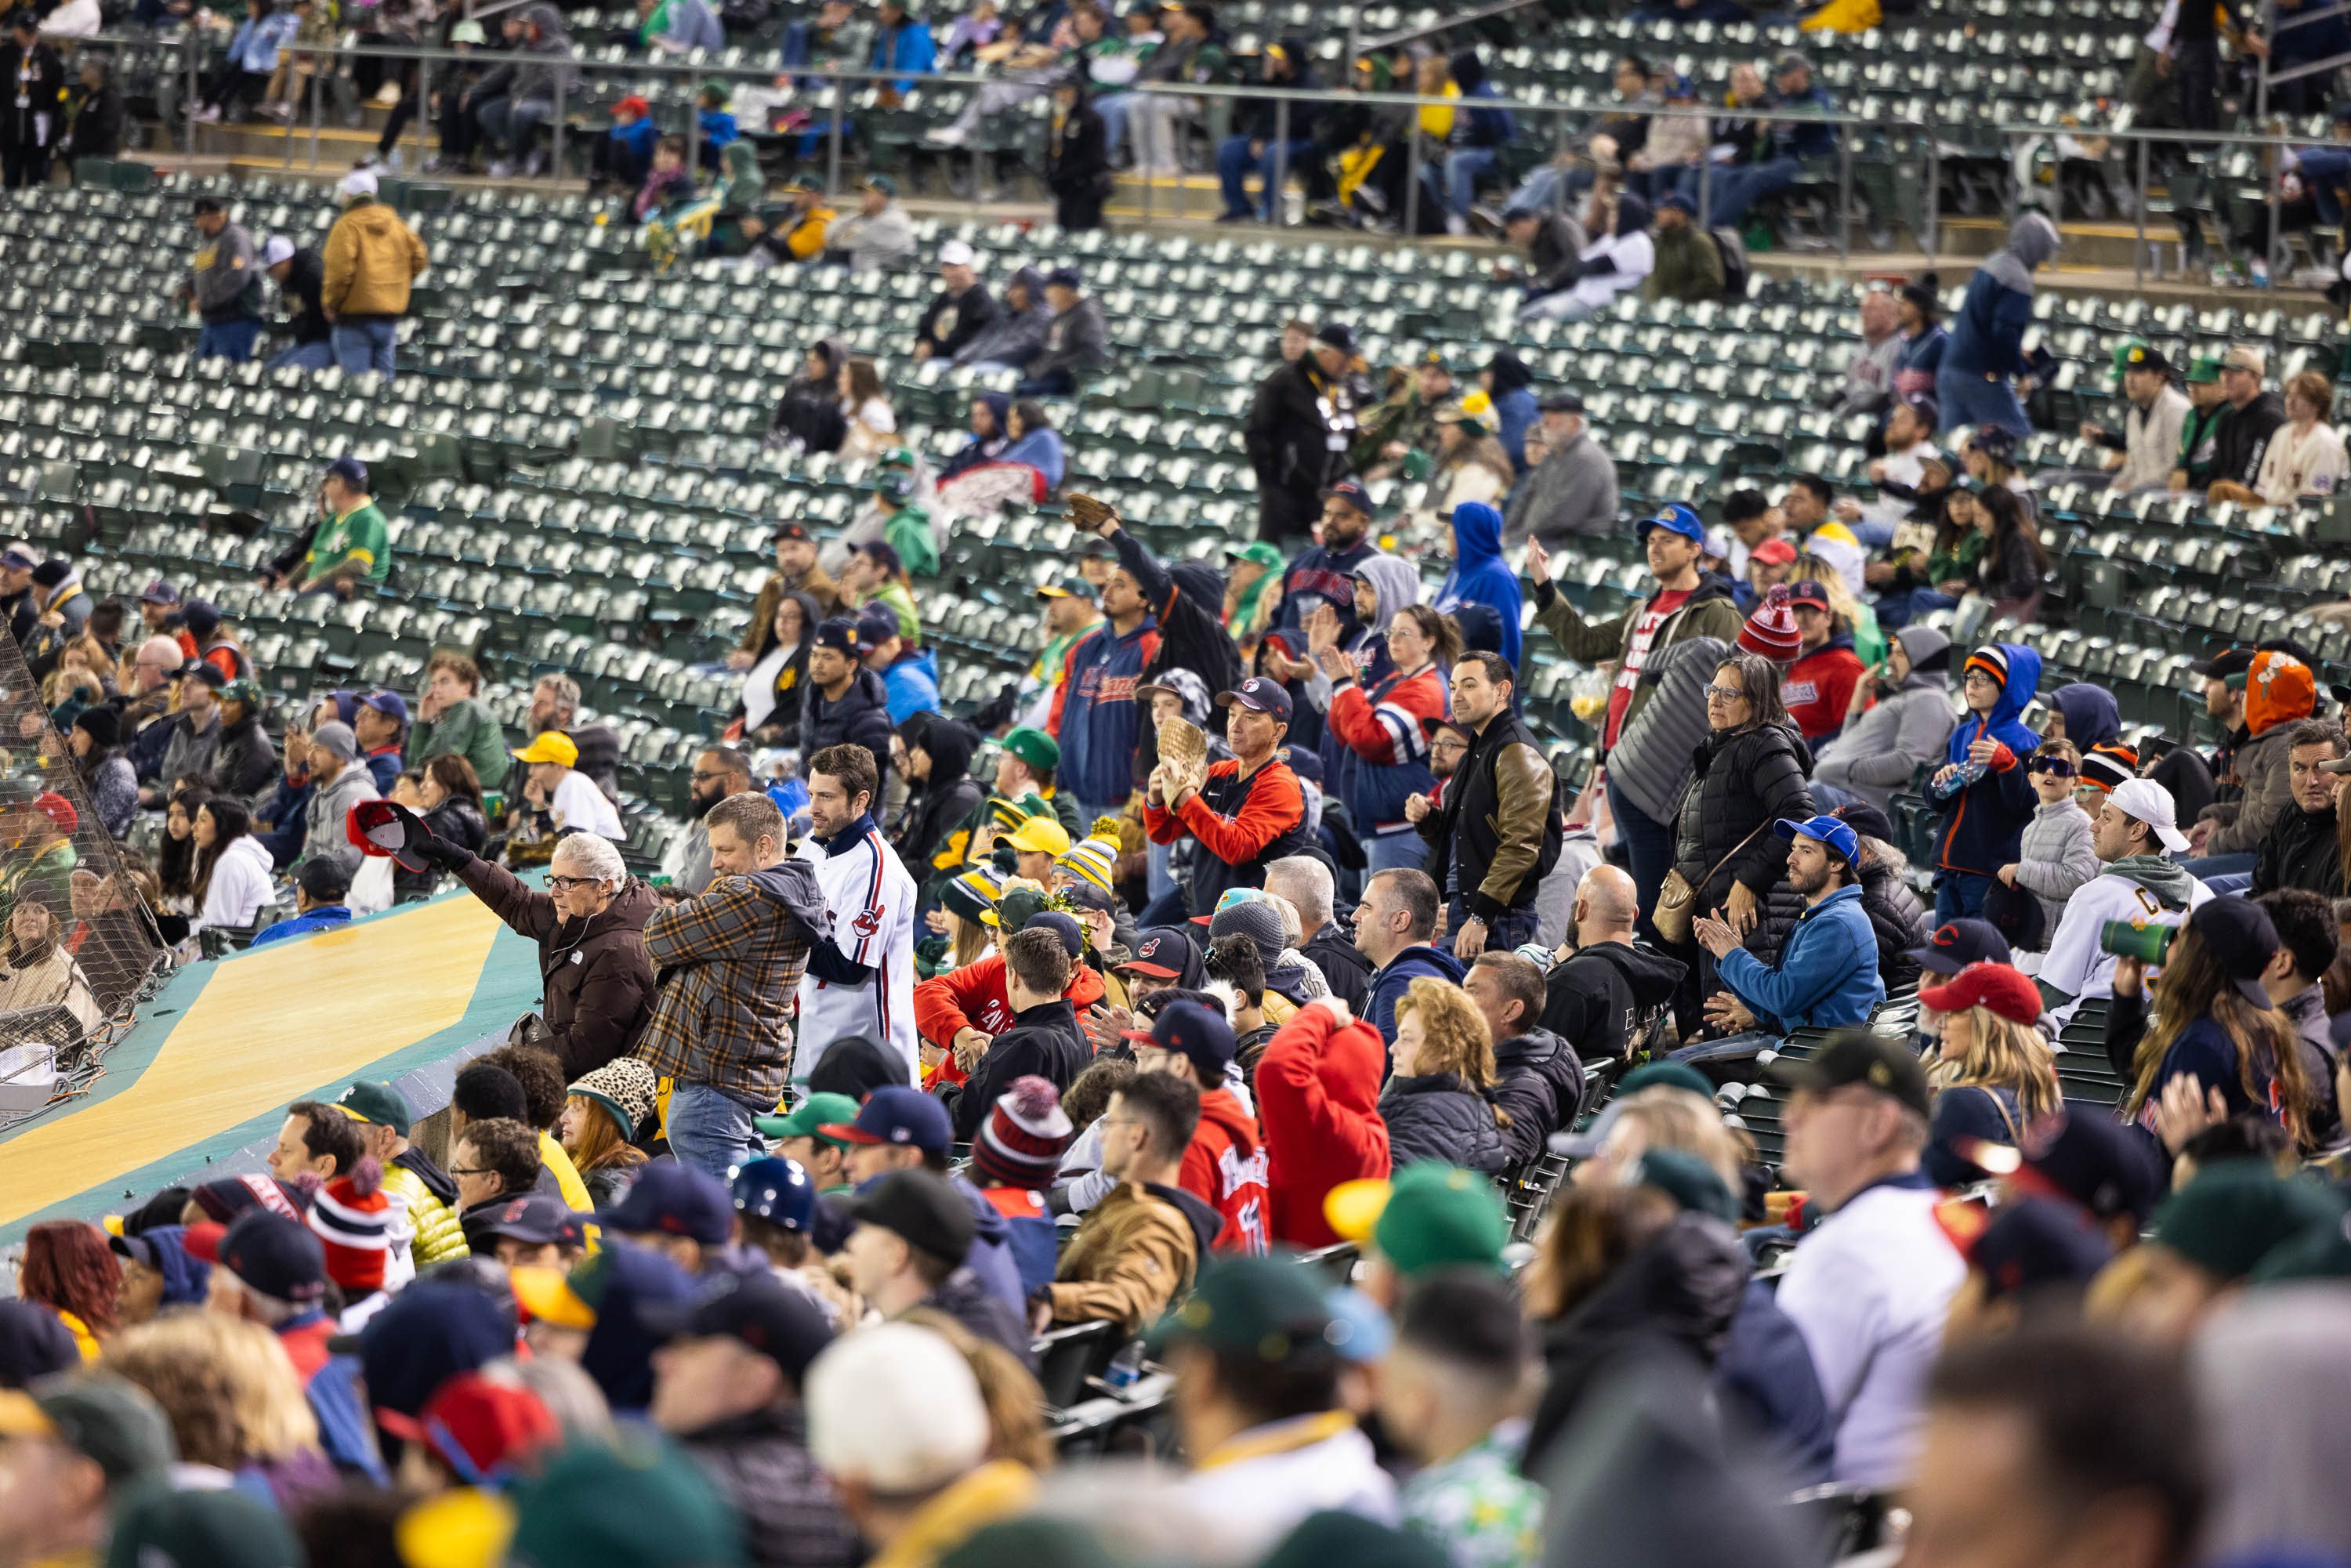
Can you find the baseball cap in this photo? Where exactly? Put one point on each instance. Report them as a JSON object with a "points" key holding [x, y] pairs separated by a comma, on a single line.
{"points": [[1070, 587], [477, 1426], [783, 1325], [842, 635], [1665, 1075], [1033, 747], [896, 1408], [271, 1254], [808, 1118], [159, 1525], [1337, 334], [1562, 402], [674, 1200], [550, 745], [1072, 936], [775, 1189], [109, 1420], [538, 1217], [378, 1103], [2204, 368], [1809, 592], [633, 104], [2000, 987], [1956, 944], [1191, 1030], [2241, 939], [1429, 1216], [2149, 802], [2136, 356], [1675, 519], [1773, 552], [1274, 1308], [2094, 1161], [350, 471], [1675, 199], [1164, 954], [1040, 835], [796, 531], [1857, 1056], [1689, 1181], [2037, 1241], [1064, 277], [358, 183], [921, 1206], [392, 704], [2236, 1211], [1354, 495], [34, 1343], [325, 878], [2228, 664], [274, 249], [1829, 831], [1792, 60], [1261, 696], [159, 592], [897, 1114], [470, 32], [20, 557], [2245, 356], [955, 252], [632, 1499]]}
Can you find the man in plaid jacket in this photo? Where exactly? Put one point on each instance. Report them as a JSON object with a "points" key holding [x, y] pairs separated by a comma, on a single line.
{"points": [[729, 963]]}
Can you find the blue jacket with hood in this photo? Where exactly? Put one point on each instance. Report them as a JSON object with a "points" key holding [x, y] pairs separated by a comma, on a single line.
{"points": [[908, 48], [1477, 127], [1988, 334], [1985, 812], [1827, 974], [1390, 982], [1480, 575], [1095, 718], [2091, 716]]}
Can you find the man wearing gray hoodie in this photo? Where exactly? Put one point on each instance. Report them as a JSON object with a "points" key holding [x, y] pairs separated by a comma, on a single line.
{"points": [[1984, 361], [339, 781], [516, 98], [1911, 724]]}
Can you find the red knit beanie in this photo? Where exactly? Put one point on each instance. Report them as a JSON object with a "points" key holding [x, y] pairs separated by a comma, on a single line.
{"points": [[1771, 630], [1020, 1143], [352, 1220]]}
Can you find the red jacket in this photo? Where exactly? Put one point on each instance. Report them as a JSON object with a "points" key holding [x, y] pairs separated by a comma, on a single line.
{"points": [[1318, 1094], [1224, 1166], [1817, 690], [973, 998], [1393, 730]]}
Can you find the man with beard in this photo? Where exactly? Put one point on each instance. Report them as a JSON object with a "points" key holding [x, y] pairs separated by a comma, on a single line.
{"points": [[1321, 575], [1247, 812], [2300, 849], [1827, 975], [718, 772], [860, 975], [1599, 998]]}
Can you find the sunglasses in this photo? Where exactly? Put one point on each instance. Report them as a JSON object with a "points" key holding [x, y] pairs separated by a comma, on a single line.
{"points": [[2057, 765]]}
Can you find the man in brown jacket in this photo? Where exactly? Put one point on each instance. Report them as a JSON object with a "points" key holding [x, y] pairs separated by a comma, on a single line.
{"points": [[371, 260], [795, 569], [1142, 1243]]}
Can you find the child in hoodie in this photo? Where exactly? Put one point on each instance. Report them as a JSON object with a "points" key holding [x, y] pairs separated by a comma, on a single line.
{"points": [[1981, 787], [2055, 855], [668, 182]]}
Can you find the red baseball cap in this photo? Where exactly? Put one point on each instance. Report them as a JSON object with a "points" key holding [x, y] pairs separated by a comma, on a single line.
{"points": [[477, 1428], [1774, 551], [2000, 987], [632, 104]]}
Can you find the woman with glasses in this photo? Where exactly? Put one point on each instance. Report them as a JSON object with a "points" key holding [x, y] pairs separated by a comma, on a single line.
{"points": [[1749, 772]]}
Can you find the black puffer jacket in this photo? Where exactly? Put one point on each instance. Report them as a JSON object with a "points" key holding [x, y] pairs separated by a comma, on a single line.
{"points": [[1542, 1082], [1744, 780], [1438, 1117], [457, 820], [860, 717], [1900, 922], [244, 764], [1675, 1299]]}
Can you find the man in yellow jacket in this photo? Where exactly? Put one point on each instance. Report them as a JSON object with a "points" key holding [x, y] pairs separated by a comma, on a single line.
{"points": [[371, 260], [409, 1173]]}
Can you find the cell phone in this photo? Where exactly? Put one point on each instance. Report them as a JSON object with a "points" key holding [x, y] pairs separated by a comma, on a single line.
{"points": [[2146, 941]]}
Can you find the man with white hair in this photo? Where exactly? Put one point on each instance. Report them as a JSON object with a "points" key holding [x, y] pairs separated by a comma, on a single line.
{"points": [[896, 1419], [1304, 884]]}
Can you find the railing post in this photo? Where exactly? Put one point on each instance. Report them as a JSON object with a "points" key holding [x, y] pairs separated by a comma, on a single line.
{"points": [[1412, 179], [1135, 140], [832, 157], [693, 132], [1934, 189], [555, 146], [1706, 189], [1273, 198], [316, 109], [424, 111], [1845, 196], [289, 121], [1558, 149], [2139, 245], [193, 42]]}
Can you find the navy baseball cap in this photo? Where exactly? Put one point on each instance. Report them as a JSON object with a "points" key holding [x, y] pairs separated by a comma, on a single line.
{"points": [[1187, 1029], [1956, 944], [267, 1252], [540, 1218], [2094, 1161], [674, 1200], [350, 471], [389, 703], [1164, 953], [783, 1325], [842, 635], [1675, 519], [876, 627], [2038, 1241], [775, 1189], [1828, 830], [1260, 694], [897, 1114], [1073, 940], [159, 592], [1354, 495]]}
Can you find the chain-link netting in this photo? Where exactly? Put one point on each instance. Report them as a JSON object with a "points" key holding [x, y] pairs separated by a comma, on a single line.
{"points": [[78, 945]]}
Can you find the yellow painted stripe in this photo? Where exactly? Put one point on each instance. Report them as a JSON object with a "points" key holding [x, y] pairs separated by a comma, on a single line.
{"points": [[269, 1027]]}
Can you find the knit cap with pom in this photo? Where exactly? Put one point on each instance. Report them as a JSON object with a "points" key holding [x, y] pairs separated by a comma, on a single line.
{"points": [[1771, 630], [354, 1218], [1021, 1141]]}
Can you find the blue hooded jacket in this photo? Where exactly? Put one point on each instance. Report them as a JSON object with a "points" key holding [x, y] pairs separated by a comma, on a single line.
{"points": [[2091, 716], [1099, 723], [185, 1280], [1476, 126], [1988, 334], [1986, 810], [911, 49], [913, 684], [1390, 982], [1827, 973], [1480, 575]]}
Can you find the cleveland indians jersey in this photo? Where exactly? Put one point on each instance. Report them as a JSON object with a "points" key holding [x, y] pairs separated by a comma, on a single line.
{"points": [[869, 910]]}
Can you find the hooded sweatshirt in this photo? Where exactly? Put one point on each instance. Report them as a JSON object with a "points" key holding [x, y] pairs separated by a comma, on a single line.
{"points": [[1374, 742], [2090, 715], [1880, 751], [1012, 337], [2136, 887], [1480, 575], [982, 449], [1225, 1166], [1598, 999], [185, 1278], [1318, 1088], [1985, 806], [1987, 335], [1474, 126]]}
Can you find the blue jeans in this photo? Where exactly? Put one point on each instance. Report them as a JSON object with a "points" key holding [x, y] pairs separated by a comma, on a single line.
{"points": [[366, 346], [1970, 399], [1114, 107], [1464, 166], [505, 122], [2207, 867], [1515, 927], [315, 356], [1740, 189], [2323, 172], [1234, 161], [711, 1130], [1052, 383], [230, 341], [1649, 845], [1960, 894], [1402, 850], [1162, 881]]}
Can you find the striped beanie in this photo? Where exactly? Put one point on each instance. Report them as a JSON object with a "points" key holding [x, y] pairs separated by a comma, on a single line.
{"points": [[1020, 1143], [1094, 861], [1993, 660], [1771, 630], [974, 894], [2109, 765], [352, 1220]]}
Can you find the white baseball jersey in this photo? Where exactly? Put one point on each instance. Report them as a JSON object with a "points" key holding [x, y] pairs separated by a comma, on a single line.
{"points": [[869, 907]]}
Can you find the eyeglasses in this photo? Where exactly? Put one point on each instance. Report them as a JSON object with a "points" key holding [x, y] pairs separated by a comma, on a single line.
{"points": [[471, 1170], [566, 883], [1449, 744], [1725, 694], [2057, 765], [1975, 678]]}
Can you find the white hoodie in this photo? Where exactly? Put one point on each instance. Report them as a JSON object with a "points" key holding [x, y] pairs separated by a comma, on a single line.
{"points": [[239, 886]]}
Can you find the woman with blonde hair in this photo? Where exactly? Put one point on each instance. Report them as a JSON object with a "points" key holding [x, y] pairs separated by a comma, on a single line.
{"points": [[1995, 1074], [1858, 618], [1440, 1104], [1665, 1117], [234, 1400], [83, 678]]}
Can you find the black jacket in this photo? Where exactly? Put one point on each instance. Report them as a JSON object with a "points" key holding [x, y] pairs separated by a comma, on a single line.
{"points": [[305, 275], [97, 128], [1345, 967], [1900, 923], [760, 1463], [952, 320], [2300, 852], [1744, 781], [1044, 1041], [2243, 439], [1469, 828], [1261, 120], [1599, 999], [17, 126], [1438, 1117], [946, 797], [860, 717], [244, 764], [1077, 163], [1187, 600], [1543, 1084], [1299, 428]]}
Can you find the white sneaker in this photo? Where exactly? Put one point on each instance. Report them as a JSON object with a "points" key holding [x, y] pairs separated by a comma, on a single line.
{"points": [[533, 164], [946, 136], [499, 169], [1455, 225], [208, 115], [387, 95]]}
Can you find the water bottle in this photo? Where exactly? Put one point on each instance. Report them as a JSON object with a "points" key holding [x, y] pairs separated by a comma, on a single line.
{"points": [[1125, 1368]]}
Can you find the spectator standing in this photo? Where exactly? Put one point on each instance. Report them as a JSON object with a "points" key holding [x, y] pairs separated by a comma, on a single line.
{"points": [[1573, 493], [339, 781], [1868, 1286], [2137, 881], [1982, 789], [1043, 1040], [1299, 426], [2278, 689], [1826, 975], [1986, 353], [31, 129], [796, 571], [737, 954], [847, 704], [225, 278], [2302, 848], [1481, 585], [1497, 830], [1247, 811], [1907, 725], [451, 719], [1383, 725], [2054, 854], [859, 978], [1094, 718], [371, 258], [300, 274]]}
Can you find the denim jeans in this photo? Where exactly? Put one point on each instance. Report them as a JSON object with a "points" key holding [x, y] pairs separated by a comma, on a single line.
{"points": [[512, 124], [1402, 850], [1960, 894], [230, 341], [1052, 383], [2204, 868], [1740, 189], [1161, 880], [366, 346], [1233, 162], [710, 1131], [1898, 610], [315, 356], [1114, 107], [1515, 927], [1464, 166], [1649, 845], [1970, 399]]}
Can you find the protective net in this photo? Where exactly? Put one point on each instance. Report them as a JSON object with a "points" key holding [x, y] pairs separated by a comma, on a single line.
{"points": [[78, 946]]}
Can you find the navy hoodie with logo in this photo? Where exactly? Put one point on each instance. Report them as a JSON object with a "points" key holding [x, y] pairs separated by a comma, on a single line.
{"points": [[1095, 717]]}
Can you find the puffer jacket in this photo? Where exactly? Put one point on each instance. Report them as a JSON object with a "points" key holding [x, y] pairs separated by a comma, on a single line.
{"points": [[760, 1463], [1651, 760], [1710, 610], [2055, 856], [1899, 920], [1543, 1084], [1438, 1116], [1743, 780], [597, 977], [1138, 1249], [436, 1237], [860, 717], [245, 765], [2238, 826]]}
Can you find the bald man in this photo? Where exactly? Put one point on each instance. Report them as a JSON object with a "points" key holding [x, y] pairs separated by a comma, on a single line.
{"points": [[1602, 998]]}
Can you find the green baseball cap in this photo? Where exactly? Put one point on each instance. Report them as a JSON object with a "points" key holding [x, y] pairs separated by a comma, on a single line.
{"points": [[717, 91], [2204, 368], [1068, 587], [1688, 1180], [243, 690], [1666, 1075], [162, 1528], [107, 1419], [2235, 1213], [807, 1117], [1258, 553], [636, 1502], [1273, 1307], [1016, 909], [1428, 1217], [377, 1103], [881, 182], [1033, 747]]}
